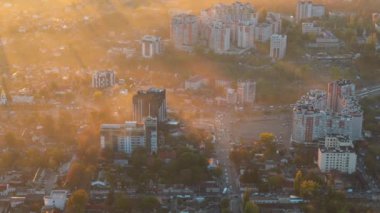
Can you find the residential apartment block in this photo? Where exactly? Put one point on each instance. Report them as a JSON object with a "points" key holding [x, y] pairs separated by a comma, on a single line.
{"points": [[129, 136], [318, 114], [306, 9], [103, 79], [278, 46], [184, 31], [337, 154], [246, 92], [219, 37], [151, 46], [149, 103], [229, 28], [310, 28]]}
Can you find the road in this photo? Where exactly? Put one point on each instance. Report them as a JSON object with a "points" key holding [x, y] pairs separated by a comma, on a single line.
{"points": [[223, 146], [371, 91]]}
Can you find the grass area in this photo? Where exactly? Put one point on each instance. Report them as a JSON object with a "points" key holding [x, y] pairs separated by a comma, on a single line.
{"points": [[371, 107]]}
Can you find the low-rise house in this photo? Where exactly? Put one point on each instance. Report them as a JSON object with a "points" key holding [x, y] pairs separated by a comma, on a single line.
{"points": [[56, 199], [195, 83]]}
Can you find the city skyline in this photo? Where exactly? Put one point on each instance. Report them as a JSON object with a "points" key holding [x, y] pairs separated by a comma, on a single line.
{"points": [[189, 106]]}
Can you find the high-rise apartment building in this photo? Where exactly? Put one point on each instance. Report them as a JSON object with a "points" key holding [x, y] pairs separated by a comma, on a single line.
{"points": [[275, 20], [308, 124], [245, 35], [151, 46], [224, 26], [231, 96], [263, 32], [151, 134], [220, 37], [149, 103], [337, 91], [334, 112], [246, 92], [103, 79], [306, 9], [129, 136], [184, 31], [278, 46], [337, 154]]}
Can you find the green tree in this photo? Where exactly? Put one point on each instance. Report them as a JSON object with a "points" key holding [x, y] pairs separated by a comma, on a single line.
{"points": [[297, 182], [124, 204], [276, 182], [251, 208], [77, 201], [149, 204], [225, 205]]}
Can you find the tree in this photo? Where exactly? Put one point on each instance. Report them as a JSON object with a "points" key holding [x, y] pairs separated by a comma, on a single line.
{"points": [[250, 175], [98, 95], [309, 188], [266, 137], [267, 140], [275, 182], [225, 205], [251, 208], [10, 140], [246, 197], [149, 204], [79, 175], [335, 73], [297, 182], [77, 202], [124, 204], [217, 172]]}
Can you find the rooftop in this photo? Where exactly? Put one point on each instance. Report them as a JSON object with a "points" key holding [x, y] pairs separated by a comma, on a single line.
{"points": [[151, 38]]}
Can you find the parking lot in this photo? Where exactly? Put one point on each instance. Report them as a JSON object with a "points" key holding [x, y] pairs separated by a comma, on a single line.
{"points": [[279, 125]]}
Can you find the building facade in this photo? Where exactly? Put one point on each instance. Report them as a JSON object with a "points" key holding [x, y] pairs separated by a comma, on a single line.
{"points": [[246, 92], [308, 124], [184, 31], [275, 20], [150, 103], [278, 46], [56, 199], [337, 154], [306, 9], [103, 79], [220, 37], [263, 32], [246, 36], [337, 91], [129, 136], [310, 28], [151, 46], [318, 114]]}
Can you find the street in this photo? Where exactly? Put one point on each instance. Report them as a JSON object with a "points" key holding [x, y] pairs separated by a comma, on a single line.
{"points": [[222, 148]]}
